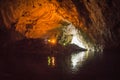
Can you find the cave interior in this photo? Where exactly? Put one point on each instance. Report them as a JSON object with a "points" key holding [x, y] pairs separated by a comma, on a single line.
{"points": [[90, 24], [33, 29]]}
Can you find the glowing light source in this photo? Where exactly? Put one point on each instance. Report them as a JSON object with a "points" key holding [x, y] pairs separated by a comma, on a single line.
{"points": [[76, 38], [52, 41], [77, 42]]}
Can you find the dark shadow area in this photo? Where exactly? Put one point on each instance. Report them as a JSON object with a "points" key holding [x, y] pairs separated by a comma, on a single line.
{"points": [[32, 59]]}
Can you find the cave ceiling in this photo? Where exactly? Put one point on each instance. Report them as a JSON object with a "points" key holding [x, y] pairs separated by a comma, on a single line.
{"points": [[35, 18], [98, 19]]}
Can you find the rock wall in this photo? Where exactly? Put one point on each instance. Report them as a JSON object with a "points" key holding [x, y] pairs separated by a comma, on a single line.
{"points": [[102, 20], [99, 19]]}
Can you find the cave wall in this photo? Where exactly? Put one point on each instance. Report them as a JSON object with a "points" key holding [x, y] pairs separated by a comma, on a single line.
{"points": [[34, 18], [101, 18]]}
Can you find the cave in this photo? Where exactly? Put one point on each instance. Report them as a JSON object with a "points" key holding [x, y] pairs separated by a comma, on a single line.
{"points": [[65, 32]]}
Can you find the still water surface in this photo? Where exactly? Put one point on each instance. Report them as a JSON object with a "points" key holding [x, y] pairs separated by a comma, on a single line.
{"points": [[55, 65]]}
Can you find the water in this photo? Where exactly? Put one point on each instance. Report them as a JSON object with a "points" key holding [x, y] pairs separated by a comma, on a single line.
{"points": [[42, 64]]}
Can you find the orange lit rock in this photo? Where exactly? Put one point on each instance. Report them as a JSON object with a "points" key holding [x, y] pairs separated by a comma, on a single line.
{"points": [[34, 18]]}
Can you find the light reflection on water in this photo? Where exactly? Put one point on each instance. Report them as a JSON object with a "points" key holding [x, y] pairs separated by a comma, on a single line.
{"points": [[51, 61], [50, 65], [78, 59], [71, 62]]}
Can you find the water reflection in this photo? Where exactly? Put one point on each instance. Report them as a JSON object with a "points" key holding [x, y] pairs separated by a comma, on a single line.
{"points": [[51, 61], [71, 62], [47, 65], [78, 58]]}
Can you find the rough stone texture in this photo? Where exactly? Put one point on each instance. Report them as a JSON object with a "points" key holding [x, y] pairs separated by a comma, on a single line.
{"points": [[104, 15], [100, 19]]}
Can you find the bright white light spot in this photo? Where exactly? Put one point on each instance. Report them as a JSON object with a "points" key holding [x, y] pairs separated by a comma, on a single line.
{"points": [[71, 30], [77, 58], [78, 43]]}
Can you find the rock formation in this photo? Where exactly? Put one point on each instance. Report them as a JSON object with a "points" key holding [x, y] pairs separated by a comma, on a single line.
{"points": [[97, 20]]}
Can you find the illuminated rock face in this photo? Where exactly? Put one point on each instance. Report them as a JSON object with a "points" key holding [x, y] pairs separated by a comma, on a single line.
{"points": [[34, 18], [99, 19]]}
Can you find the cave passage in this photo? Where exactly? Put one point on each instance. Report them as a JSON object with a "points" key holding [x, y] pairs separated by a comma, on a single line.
{"points": [[59, 39]]}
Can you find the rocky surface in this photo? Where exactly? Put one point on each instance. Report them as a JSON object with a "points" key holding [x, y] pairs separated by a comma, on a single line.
{"points": [[98, 19]]}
